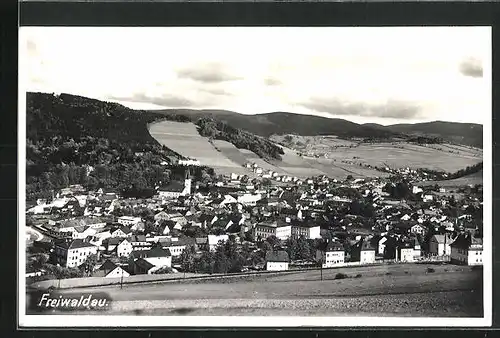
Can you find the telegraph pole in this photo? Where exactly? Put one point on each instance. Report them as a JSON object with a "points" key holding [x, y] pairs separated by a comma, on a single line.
{"points": [[321, 268], [121, 279]]}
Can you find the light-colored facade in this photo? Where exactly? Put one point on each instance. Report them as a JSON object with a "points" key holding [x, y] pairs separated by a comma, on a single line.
{"points": [[407, 255], [277, 266], [128, 220], [124, 248], [214, 240], [74, 254], [440, 245], [367, 256], [333, 258], [117, 272]]}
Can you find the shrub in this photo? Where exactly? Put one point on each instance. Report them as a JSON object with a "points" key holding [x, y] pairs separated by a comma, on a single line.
{"points": [[340, 276], [430, 270]]}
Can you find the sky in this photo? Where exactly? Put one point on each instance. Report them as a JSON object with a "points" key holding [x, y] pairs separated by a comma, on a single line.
{"points": [[380, 75]]}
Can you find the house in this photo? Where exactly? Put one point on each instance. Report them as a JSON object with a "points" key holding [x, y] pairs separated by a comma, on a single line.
{"points": [[99, 237], [142, 267], [214, 240], [110, 270], [306, 230], [81, 232], [363, 252], [427, 198], [405, 252], [418, 229], [123, 248], [264, 230], [277, 260], [381, 246], [332, 255], [175, 189], [73, 253], [417, 248], [156, 257], [139, 242], [122, 231], [175, 247], [440, 245], [467, 250], [110, 244], [202, 243], [128, 220]]}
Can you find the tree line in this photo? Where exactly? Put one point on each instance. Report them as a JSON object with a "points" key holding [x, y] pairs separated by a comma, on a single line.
{"points": [[208, 127], [77, 140]]}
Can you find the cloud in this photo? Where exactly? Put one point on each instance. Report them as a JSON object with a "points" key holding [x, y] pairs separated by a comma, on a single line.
{"points": [[164, 100], [208, 73], [390, 109], [217, 91], [271, 81], [471, 67]]}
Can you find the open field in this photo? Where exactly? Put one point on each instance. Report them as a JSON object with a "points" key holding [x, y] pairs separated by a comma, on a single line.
{"points": [[398, 290], [472, 179], [445, 157], [342, 157], [184, 139]]}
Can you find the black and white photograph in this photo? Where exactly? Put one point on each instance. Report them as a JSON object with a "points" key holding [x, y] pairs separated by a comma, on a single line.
{"points": [[255, 176]]}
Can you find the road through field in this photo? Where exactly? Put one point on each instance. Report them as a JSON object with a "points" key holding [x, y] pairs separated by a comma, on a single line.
{"points": [[398, 290]]}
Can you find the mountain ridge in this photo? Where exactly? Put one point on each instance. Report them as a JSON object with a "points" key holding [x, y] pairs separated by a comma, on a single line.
{"points": [[280, 123]]}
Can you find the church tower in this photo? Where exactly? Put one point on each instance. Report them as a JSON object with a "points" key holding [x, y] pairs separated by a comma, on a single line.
{"points": [[187, 183]]}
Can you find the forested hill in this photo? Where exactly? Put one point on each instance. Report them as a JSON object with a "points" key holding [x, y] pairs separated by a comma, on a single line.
{"points": [[242, 139], [77, 140]]}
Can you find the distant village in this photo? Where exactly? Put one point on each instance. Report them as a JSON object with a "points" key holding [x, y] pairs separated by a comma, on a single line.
{"points": [[281, 223]]}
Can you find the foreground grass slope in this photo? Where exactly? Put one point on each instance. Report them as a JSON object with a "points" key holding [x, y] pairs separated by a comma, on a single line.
{"points": [[404, 289]]}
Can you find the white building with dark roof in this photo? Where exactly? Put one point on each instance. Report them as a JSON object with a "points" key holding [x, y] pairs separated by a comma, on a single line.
{"points": [[277, 260], [74, 253]]}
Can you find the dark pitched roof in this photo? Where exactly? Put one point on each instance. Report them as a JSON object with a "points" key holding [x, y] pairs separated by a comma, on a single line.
{"points": [[158, 252], [138, 238], [76, 244], [364, 245], [173, 186], [143, 264], [108, 266], [334, 246], [277, 256], [464, 241]]}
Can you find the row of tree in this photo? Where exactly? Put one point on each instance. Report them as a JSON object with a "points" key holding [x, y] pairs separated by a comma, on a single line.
{"points": [[77, 140], [219, 130]]}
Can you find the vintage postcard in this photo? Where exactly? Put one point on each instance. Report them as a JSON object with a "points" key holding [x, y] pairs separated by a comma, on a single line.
{"points": [[255, 176]]}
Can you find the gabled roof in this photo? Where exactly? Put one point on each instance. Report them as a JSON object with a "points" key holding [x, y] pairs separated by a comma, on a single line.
{"points": [[76, 244], [441, 239], [108, 266], [173, 186], [157, 252], [334, 246], [277, 256], [138, 238], [364, 245], [466, 241], [143, 264]]}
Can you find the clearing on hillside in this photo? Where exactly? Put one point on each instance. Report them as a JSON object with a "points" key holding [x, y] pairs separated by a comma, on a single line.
{"points": [[442, 157], [184, 139]]}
